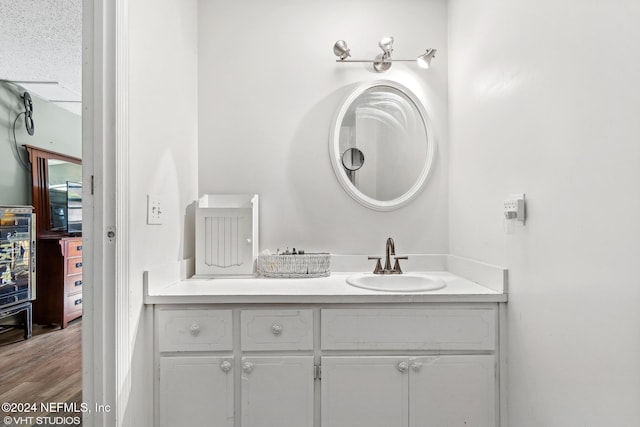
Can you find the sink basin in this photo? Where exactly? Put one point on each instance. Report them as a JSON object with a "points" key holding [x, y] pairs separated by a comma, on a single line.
{"points": [[407, 282]]}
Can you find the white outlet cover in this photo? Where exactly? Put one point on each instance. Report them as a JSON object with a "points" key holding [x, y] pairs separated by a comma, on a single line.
{"points": [[154, 210], [514, 207]]}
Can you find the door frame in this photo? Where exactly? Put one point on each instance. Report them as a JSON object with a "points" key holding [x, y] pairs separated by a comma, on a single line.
{"points": [[105, 343]]}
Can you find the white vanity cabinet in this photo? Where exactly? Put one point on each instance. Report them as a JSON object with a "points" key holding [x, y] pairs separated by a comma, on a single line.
{"points": [[277, 391], [195, 391], [328, 365], [453, 390], [277, 387], [446, 376], [232, 367], [195, 387], [364, 391], [402, 391]]}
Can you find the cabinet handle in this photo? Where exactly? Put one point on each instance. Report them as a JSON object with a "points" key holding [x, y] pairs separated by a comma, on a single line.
{"points": [[78, 264], [79, 248], [403, 367], [416, 366], [78, 282], [276, 329], [194, 329], [247, 367], [77, 302], [225, 366]]}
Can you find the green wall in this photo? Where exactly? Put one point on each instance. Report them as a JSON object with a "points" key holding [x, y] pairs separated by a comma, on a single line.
{"points": [[56, 129]]}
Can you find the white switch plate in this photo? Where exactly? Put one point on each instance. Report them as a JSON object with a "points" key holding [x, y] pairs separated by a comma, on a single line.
{"points": [[514, 208], [154, 210]]}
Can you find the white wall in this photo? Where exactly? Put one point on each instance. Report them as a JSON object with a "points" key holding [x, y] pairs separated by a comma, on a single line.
{"points": [[544, 100], [163, 150], [268, 89]]}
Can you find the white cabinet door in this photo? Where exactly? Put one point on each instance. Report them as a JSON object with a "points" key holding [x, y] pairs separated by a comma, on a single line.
{"points": [[196, 391], [277, 391], [364, 392], [452, 391]]}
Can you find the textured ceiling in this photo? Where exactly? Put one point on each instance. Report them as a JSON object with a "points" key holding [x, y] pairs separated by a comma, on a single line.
{"points": [[41, 40]]}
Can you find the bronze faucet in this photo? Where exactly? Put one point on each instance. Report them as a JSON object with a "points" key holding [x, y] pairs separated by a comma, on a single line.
{"points": [[390, 251]]}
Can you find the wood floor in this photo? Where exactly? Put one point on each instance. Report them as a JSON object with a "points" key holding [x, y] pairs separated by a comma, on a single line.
{"points": [[45, 368]]}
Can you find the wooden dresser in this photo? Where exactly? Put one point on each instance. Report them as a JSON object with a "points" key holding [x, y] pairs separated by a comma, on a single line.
{"points": [[59, 287]]}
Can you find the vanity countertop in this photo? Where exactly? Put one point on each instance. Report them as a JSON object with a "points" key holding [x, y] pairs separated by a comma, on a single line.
{"points": [[327, 290]]}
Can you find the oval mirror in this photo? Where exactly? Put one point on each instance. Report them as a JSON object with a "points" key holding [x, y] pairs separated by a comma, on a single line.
{"points": [[387, 124]]}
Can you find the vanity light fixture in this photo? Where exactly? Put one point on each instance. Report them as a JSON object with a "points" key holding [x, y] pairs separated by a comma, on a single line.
{"points": [[386, 44], [382, 62], [340, 49], [424, 60]]}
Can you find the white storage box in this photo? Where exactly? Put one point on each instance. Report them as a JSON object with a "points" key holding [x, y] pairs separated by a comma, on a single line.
{"points": [[227, 234]]}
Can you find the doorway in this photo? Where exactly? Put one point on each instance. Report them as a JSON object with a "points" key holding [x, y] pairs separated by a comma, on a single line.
{"points": [[42, 45]]}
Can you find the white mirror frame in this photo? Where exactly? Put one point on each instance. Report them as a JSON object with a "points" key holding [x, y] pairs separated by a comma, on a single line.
{"points": [[335, 155]]}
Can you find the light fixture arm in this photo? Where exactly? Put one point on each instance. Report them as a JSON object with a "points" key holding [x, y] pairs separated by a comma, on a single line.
{"points": [[373, 60], [383, 61]]}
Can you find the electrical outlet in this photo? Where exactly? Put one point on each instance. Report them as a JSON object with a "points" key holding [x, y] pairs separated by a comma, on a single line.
{"points": [[154, 210], [514, 208]]}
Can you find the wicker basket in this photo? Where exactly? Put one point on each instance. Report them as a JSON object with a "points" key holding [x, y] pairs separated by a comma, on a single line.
{"points": [[290, 266]]}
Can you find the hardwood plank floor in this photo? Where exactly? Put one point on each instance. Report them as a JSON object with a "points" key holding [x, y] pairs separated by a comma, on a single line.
{"points": [[45, 368]]}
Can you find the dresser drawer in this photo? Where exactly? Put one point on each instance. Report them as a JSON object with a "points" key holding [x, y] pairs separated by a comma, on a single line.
{"points": [[194, 330], [409, 329], [74, 265], [73, 284], [276, 329], [73, 303], [74, 248]]}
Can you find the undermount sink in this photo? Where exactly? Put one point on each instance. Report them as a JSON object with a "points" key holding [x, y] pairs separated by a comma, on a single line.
{"points": [[406, 282]]}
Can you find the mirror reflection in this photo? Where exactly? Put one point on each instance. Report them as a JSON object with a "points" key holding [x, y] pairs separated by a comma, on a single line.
{"points": [[352, 160], [65, 195]]}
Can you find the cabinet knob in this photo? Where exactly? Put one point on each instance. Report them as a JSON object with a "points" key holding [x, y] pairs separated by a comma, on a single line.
{"points": [[276, 329], [403, 367], [416, 366], [247, 367], [194, 329], [225, 366]]}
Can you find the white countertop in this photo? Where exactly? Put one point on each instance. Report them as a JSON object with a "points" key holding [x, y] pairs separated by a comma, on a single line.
{"points": [[332, 289]]}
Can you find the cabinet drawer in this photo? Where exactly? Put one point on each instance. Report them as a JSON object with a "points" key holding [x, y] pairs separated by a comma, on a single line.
{"points": [[194, 330], [74, 265], [277, 330], [73, 284], [409, 329], [73, 303], [74, 248]]}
